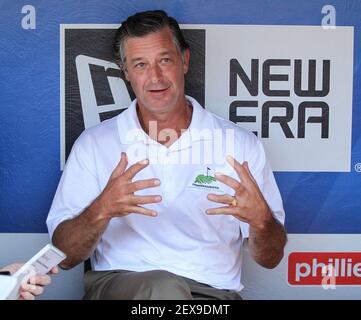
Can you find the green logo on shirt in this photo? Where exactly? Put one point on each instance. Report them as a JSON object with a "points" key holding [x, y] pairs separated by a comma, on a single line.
{"points": [[202, 179], [205, 181]]}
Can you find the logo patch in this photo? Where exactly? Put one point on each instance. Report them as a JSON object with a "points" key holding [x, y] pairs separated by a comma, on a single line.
{"points": [[205, 181]]}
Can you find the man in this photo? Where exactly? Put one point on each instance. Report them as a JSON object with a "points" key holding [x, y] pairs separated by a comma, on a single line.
{"points": [[159, 223], [35, 286]]}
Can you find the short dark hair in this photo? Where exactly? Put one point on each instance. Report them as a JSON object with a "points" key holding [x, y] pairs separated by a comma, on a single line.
{"points": [[144, 23]]}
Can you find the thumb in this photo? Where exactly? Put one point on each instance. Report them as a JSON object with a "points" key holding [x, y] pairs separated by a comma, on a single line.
{"points": [[121, 166]]}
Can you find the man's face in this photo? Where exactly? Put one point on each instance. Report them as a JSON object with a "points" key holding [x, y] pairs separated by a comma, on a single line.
{"points": [[155, 69]]}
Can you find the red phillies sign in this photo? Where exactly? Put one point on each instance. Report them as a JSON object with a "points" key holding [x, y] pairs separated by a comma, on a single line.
{"points": [[316, 268]]}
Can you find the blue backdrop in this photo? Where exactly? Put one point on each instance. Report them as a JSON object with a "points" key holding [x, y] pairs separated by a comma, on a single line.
{"points": [[30, 105]]}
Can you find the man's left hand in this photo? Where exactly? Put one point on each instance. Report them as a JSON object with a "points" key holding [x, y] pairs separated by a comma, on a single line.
{"points": [[248, 203]]}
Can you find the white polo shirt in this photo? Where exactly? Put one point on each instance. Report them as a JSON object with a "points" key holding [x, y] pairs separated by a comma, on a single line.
{"points": [[182, 239]]}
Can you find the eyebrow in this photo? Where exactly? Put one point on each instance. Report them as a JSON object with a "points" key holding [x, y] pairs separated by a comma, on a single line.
{"points": [[162, 53], [135, 60]]}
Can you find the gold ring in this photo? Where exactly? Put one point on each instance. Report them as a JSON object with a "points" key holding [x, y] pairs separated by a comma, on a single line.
{"points": [[234, 202]]}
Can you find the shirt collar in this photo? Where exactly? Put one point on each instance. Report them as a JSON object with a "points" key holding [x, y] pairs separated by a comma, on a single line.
{"points": [[130, 130]]}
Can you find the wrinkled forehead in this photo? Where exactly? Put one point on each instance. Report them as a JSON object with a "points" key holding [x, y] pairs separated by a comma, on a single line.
{"points": [[157, 41]]}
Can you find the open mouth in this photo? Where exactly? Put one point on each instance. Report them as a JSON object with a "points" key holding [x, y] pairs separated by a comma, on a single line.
{"points": [[158, 90]]}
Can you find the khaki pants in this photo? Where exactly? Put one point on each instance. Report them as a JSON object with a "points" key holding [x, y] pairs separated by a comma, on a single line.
{"points": [[149, 285]]}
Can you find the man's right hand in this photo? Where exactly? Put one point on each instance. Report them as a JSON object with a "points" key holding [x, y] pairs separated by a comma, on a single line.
{"points": [[79, 236], [118, 198]]}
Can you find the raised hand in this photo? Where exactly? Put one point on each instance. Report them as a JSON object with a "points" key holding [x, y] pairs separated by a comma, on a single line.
{"points": [[118, 198], [248, 203]]}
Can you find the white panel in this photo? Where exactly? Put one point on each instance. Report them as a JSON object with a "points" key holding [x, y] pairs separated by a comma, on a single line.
{"points": [[261, 283], [305, 43]]}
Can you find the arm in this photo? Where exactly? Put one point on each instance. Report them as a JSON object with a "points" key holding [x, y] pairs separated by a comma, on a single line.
{"points": [[79, 236], [267, 236], [266, 244]]}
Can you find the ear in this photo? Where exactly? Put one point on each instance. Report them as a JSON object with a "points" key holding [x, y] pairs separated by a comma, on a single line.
{"points": [[186, 57]]}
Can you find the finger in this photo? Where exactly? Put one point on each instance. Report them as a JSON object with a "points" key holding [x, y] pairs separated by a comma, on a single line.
{"points": [[43, 280], [135, 200], [245, 165], [35, 290], [13, 267], [32, 289], [25, 295], [225, 198], [223, 210], [143, 184], [241, 171], [122, 164], [229, 181], [54, 270], [135, 168], [234, 164], [140, 210]]}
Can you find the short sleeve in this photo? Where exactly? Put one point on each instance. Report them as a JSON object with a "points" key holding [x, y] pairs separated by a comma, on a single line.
{"points": [[263, 174], [78, 186]]}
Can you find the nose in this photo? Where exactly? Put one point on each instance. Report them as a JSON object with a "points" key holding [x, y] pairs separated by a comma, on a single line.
{"points": [[155, 73]]}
